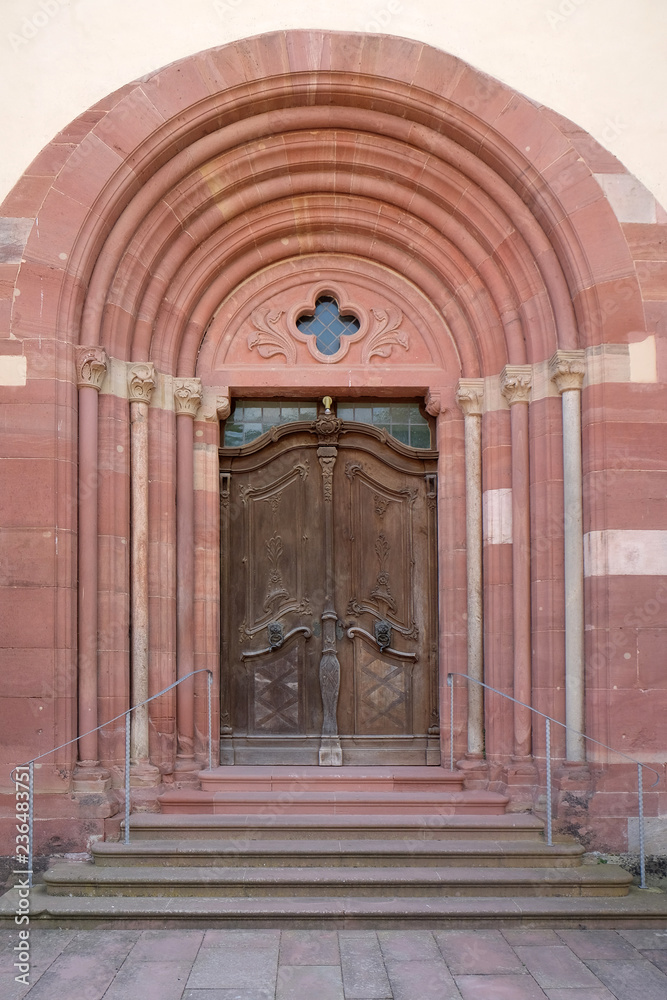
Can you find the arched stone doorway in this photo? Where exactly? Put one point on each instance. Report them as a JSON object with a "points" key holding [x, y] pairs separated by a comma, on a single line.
{"points": [[190, 219]]}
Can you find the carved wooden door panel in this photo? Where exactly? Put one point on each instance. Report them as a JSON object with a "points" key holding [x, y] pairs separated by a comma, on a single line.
{"points": [[329, 598]]}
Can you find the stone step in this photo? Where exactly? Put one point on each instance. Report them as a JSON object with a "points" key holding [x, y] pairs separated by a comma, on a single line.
{"points": [[637, 909], [284, 778], [295, 826], [90, 880], [337, 853], [425, 803]]}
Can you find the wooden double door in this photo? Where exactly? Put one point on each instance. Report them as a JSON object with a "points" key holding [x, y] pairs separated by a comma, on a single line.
{"points": [[329, 598]]}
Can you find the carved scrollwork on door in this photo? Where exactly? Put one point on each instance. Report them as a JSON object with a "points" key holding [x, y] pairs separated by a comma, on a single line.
{"points": [[381, 591], [275, 591]]}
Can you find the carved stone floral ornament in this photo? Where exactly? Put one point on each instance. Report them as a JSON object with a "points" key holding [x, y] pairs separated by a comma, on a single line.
{"points": [[278, 331]]}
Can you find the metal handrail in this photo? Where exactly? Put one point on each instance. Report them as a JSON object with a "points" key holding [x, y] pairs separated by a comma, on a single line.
{"points": [[126, 715], [549, 719]]}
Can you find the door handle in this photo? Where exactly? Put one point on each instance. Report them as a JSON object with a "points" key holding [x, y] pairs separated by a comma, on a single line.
{"points": [[277, 638], [351, 632]]}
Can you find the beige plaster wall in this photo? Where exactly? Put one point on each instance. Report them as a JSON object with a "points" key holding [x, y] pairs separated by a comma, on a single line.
{"points": [[599, 62]]}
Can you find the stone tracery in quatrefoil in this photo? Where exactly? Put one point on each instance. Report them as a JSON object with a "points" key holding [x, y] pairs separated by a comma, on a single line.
{"points": [[327, 329]]}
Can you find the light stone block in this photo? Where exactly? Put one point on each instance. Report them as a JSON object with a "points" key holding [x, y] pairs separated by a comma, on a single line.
{"points": [[629, 199], [497, 517], [643, 360], [617, 552], [13, 369]]}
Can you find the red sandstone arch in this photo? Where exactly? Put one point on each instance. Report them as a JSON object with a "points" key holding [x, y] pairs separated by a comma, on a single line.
{"points": [[176, 188]]}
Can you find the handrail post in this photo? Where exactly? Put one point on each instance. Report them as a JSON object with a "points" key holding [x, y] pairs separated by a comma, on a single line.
{"points": [[642, 858], [450, 684], [549, 806], [210, 746], [31, 792], [127, 776]]}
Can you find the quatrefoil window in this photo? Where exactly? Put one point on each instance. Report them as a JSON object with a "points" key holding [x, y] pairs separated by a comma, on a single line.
{"points": [[327, 325]]}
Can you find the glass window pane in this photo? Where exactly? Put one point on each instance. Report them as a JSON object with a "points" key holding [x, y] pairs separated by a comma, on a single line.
{"points": [[363, 414], [401, 432], [346, 413], [252, 431], [420, 437], [233, 436], [252, 413], [381, 415]]}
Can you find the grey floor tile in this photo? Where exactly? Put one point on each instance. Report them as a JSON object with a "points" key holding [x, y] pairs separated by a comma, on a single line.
{"points": [[598, 944], [309, 948], [477, 953], [631, 980], [520, 987], [527, 936], [103, 944], [235, 966], [167, 946], [230, 994], [648, 938], [76, 977], [408, 946], [658, 958], [364, 973], [425, 979], [158, 980], [556, 967], [10, 989], [590, 993], [242, 939], [319, 982]]}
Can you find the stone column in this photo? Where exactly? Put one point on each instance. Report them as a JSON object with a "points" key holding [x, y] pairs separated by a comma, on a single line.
{"points": [[91, 367], [567, 371], [141, 382], [516, 383], [469, 396], [187, 398]]}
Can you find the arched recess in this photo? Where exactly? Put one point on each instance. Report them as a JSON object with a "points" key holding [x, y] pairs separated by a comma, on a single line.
{"points": [[157, 210]]}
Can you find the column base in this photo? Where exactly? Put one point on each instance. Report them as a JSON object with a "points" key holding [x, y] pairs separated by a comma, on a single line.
{"points": [[143, 774], [331, 754], [90, 778], [475, 771], [186, 771]]}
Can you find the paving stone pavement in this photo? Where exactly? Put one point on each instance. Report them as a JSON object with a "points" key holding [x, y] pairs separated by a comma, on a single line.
{"points": [[514, 964]]}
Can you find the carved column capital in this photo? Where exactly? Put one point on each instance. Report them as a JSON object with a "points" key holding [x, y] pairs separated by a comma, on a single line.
{"points": [[567, 370], [187, 396], [141, 381], [91, 367], [433, 402], [516, 383], [470, 396]]}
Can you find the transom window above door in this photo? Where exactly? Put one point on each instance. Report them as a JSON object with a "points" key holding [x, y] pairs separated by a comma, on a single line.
{"points": [[253, 417]]}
